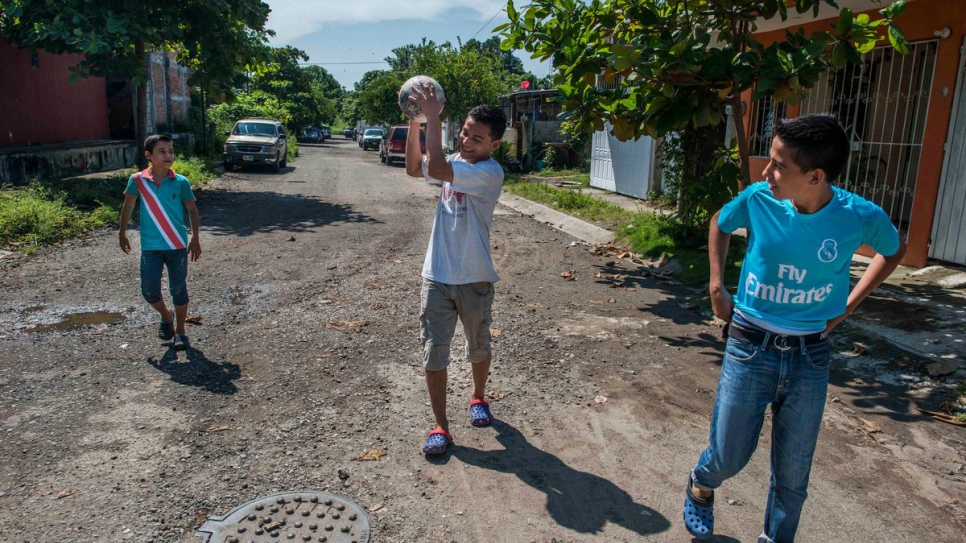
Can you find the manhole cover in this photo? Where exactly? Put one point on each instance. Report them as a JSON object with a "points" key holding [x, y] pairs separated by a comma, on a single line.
{"points": [[290, 516]]}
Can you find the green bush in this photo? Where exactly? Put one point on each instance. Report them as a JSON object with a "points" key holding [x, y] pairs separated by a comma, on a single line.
{"points": [[292, 151], [36, 216], [195, 168]]}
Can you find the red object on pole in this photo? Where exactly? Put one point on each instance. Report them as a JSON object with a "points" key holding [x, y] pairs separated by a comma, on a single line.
{"points": [[525, 85]]}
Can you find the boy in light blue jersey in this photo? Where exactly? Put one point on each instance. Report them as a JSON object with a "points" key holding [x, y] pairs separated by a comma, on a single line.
{"points": [[793, 290]]}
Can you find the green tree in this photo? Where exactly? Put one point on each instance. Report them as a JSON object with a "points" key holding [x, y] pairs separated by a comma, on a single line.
{"points": [[679, 63], [511, 64], [468, 76], [300, 89], [215, 39]]}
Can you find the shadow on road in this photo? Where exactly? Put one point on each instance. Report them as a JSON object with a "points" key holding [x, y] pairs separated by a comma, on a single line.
{"points": [[262, 212], [576, 500], [198, 371]]}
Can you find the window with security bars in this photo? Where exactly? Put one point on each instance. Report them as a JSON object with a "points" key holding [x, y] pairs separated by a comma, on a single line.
{"points": [[882, 104], [764, 114]]}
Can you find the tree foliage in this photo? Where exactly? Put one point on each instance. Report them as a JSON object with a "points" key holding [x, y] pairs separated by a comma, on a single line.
{"points": [[470, 76], [309, 94], [216, 39], [674, 65]]}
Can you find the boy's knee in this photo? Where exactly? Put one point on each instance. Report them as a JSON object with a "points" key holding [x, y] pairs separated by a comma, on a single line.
{"points": [[151, 295], [435, 357], [179, 294]]}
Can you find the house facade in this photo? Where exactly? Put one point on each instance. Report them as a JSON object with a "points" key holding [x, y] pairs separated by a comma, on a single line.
{"points": [[52, 127], [906, 118]]}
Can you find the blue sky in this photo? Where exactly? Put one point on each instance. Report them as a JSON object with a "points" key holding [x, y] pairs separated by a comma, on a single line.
{"points": [[334, 32]]}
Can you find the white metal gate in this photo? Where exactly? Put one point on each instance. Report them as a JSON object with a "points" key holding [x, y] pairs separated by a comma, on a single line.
{"points": [[626, 167], [949, 226], [882, 104]]}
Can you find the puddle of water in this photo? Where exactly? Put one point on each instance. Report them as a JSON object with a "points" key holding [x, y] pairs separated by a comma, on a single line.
{"points": [[78, 320]]}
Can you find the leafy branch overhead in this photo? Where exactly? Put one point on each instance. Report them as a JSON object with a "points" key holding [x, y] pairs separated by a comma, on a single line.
{"points": [[216, 39], [672, 65]]}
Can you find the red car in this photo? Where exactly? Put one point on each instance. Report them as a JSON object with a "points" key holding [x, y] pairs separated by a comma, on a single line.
{"points": [[393, 145]]}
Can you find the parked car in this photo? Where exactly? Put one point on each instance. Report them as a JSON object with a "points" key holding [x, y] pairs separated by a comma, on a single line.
{"points": [[326, 132], [348, 132], [393, 146], [311, 135], [371, 139], [256, 141]]}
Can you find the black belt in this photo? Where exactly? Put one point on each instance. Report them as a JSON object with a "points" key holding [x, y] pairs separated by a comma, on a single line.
{"points": [[757, 336]]}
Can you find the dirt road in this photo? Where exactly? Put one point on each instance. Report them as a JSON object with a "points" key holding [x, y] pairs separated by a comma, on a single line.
{"points": [[306, 357]]}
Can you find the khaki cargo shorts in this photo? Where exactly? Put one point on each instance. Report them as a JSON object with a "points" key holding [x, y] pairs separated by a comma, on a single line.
{"points": [[440, 305]]}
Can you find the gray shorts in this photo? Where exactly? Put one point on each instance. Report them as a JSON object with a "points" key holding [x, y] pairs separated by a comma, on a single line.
{"points": [[440, 305]]}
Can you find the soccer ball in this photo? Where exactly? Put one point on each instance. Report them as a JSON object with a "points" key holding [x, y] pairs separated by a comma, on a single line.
{"points": [[409, 108]]}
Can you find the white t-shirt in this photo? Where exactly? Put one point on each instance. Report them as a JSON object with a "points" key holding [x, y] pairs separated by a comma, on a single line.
{"points": [[459, 247]]}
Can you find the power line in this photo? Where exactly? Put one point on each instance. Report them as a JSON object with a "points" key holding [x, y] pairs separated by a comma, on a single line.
{"points": [[488, 22], [331, 63]]}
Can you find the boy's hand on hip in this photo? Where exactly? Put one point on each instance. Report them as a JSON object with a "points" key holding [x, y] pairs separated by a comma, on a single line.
{"points": [[722, 304], [125, 244], [194, 250]]}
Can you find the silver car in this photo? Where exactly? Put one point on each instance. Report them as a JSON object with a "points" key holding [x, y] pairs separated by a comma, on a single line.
{"points": [[256, 142], [371, 138]]}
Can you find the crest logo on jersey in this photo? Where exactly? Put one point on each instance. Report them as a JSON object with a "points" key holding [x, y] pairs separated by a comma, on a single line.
{"points": [[829, 251]]}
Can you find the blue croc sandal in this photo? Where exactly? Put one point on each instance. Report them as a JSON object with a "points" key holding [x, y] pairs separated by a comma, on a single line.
{"points": [[437, 442], [698, 514], [480, 413]]}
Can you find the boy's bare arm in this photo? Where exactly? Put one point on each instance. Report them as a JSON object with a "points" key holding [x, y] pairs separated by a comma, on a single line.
{"points": [[718, 242], [127, 210], [194, 246], [414, 154], [878, 271], [436, 164]]}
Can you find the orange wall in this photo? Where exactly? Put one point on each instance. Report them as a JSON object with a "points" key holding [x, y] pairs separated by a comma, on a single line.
{"points": [[39, 105], [919, 22]]}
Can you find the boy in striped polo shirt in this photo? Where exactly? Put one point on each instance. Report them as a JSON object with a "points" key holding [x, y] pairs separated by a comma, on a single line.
{"points": [[164, 197]]}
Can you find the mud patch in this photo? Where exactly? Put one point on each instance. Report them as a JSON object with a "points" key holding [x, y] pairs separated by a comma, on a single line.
{"points": [[74, 321], [585, 324]]}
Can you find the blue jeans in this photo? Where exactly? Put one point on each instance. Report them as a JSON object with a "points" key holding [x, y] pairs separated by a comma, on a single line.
{"points": [[794, 381], [152, 265]]}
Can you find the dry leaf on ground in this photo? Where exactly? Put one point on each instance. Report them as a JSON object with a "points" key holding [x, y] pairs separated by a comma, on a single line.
{"points": [[372, 454], [196, 319], [568, 274], [214, 429], [869, 426], [496, 395], [342, 326], [377, 507], [601, 399], [65, 493], [495, 333]]}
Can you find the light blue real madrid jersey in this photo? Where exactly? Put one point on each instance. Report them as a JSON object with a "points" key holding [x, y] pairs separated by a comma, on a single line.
{"points": [[795, 275]]}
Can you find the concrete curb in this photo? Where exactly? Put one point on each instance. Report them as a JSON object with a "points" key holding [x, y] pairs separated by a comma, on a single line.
{"points": [[581, 230]]}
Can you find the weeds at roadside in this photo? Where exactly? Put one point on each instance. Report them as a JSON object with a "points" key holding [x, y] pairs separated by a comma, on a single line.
{"points": [[651, 235], [48, 212]]}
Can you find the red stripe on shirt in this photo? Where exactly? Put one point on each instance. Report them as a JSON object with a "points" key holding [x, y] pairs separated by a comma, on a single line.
{"points": [[154, 208]]}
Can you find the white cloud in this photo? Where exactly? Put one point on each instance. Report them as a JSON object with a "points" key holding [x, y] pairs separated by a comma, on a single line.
{"points": [[292, 19]]}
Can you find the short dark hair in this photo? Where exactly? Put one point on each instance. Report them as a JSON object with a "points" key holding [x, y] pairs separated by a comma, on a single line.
{"points": [[817, 142], [492, 117], [153, 140]]}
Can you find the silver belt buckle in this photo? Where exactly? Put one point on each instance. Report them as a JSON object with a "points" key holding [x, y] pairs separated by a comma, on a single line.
{"points": [[781, 343]]}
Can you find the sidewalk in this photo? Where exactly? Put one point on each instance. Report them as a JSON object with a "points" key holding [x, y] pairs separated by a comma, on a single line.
{"points": [[920, 311]]}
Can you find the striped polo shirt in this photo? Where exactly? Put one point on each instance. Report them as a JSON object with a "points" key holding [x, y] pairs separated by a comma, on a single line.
{"points": [[162, 209]]}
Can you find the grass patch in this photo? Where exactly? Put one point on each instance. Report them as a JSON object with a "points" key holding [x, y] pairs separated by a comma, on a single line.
{"points": [[37, 216], [51, 211], [651, 235]]}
